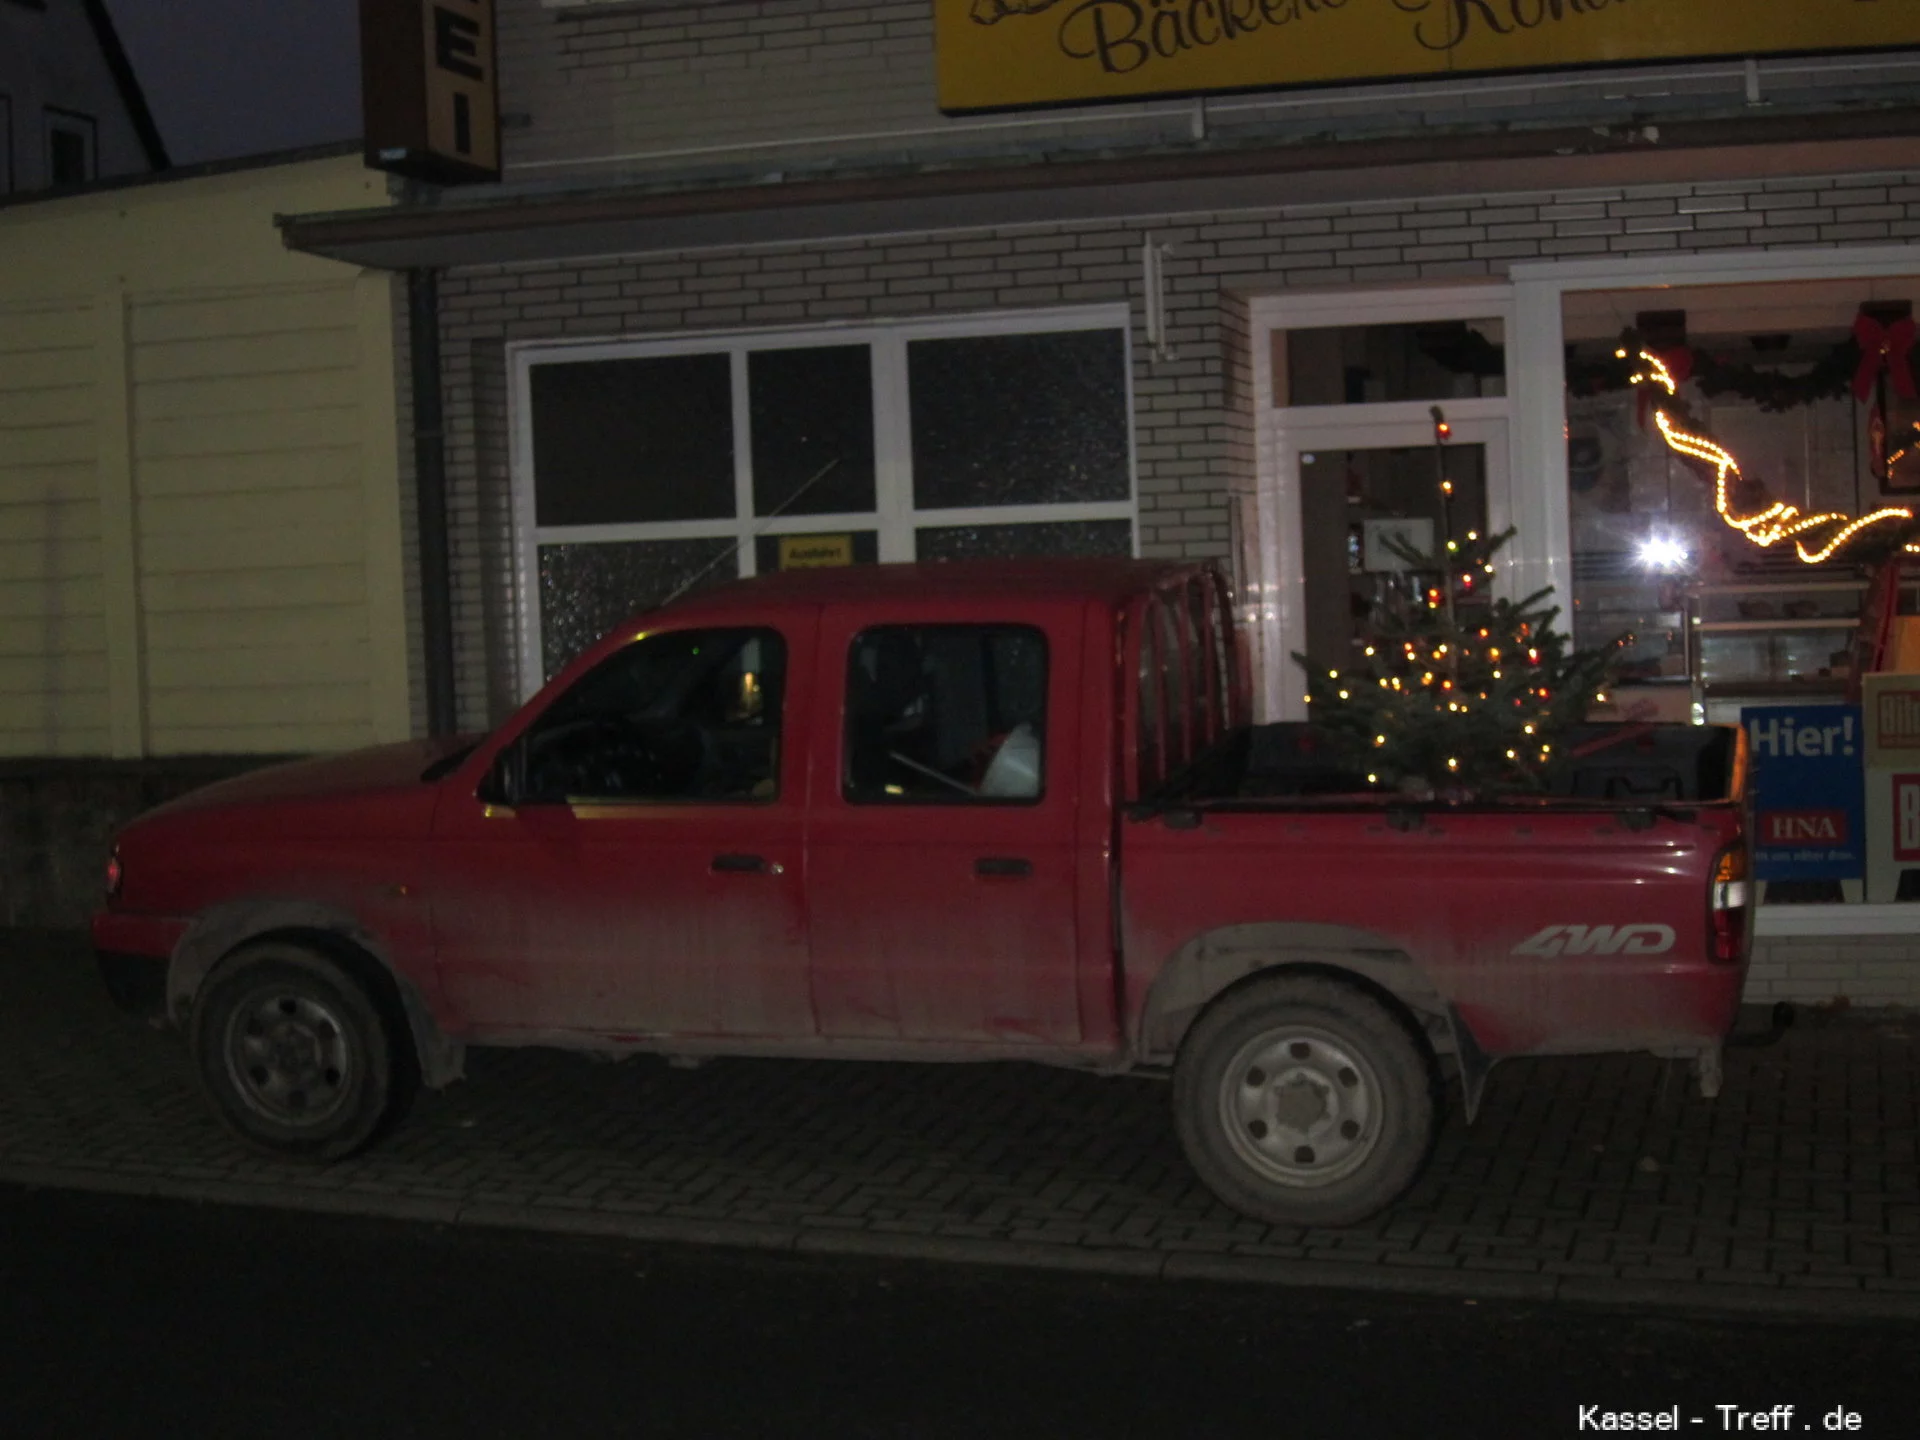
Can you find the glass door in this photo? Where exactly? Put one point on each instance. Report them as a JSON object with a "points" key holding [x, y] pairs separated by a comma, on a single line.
{"points": [[1367, 499]]}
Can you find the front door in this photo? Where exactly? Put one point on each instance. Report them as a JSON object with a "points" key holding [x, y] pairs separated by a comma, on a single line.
{"points": [[941, 844], [1366, 496], [648, 879]]}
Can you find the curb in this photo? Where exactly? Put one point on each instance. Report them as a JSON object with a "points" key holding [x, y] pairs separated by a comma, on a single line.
{"points": [[1725, 1301]]}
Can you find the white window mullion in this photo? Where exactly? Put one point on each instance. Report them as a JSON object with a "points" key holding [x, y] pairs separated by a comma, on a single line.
{"points": [[748, 557], [526, 547], [892, 448]]}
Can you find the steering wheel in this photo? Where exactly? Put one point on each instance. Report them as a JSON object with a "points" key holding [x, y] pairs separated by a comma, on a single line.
{"points": [[615, 757]]}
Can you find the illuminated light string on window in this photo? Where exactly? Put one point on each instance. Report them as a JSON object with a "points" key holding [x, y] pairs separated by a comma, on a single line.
{"points": [[1773, 523]]}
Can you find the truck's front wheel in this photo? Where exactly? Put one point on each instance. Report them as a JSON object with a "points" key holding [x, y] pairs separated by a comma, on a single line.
{"points": [[1305, 1101], [294, 1054]]}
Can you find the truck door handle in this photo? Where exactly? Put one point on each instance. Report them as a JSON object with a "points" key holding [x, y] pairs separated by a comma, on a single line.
{"points": [[1009, 865], [743, 865]]}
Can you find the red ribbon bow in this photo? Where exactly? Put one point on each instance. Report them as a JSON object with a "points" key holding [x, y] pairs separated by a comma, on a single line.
{"points": [[1679, 363], [1884, 347]]}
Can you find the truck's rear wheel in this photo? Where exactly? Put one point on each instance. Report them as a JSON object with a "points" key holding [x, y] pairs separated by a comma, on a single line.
{"points": [[1305, 1101], [294, 1054]]}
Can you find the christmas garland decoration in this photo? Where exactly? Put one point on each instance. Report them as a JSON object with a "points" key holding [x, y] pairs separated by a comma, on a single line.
{"points": [[1855, 364], [1815, 537]]}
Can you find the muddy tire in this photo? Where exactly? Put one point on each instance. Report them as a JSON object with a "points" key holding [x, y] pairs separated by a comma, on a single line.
{"points": [[295, 1055], [1305, 1101]]}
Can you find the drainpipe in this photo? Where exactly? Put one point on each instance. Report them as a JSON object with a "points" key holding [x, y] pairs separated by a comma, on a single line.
{"points": [[430, 486]]}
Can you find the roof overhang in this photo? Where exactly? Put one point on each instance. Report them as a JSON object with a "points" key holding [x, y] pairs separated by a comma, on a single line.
{"points": [[501, 225]]}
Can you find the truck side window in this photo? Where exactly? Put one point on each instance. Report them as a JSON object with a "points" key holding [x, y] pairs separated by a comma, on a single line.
{"points": [[945, 714], [1179, 690], [688, 715], [1151, 770]]}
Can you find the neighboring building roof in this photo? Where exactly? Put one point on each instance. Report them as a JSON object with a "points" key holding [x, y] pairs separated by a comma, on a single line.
{"points": [[128, 84], [187, 172]]}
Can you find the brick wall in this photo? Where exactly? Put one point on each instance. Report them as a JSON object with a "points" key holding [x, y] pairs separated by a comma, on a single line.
{"points": [[1853, 969], [1191, 442]]}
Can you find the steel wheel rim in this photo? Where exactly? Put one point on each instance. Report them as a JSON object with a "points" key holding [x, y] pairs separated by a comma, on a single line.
{"points": [[289, 1058], [1301, 1106]]}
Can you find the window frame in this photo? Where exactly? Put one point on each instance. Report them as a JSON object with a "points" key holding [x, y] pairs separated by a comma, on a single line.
{"points": [[6, 143], [844, 788], [54, 121], [894, 518]]}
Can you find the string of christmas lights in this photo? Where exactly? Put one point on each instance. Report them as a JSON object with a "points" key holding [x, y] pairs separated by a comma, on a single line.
{"points": [[1816, 537]]}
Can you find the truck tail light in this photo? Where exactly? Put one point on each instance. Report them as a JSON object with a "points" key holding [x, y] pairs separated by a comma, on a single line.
{"points": [[1728, 913], [113, 874]]}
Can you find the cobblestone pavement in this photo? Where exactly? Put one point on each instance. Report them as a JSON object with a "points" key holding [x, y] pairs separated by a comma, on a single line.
{"points": [[1603, 1180]]}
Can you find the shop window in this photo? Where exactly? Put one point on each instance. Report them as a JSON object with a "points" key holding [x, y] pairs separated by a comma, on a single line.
{"points": [[811, 408], [1711, 619], [686, 716], [585, 590], [633, 440], [1028, 541], [72, 147], [1019, 419], [1374, 364], [946, 714], [654, 468]]}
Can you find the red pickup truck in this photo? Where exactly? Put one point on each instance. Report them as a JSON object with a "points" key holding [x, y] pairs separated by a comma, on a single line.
{"points": [[992, 811]]}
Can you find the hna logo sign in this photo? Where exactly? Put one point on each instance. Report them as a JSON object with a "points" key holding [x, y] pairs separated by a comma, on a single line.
{"points": [[1803, 827], [1598, 940]]}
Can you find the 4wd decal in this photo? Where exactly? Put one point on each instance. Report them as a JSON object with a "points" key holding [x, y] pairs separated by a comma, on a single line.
{"points": [[1598, 940]]}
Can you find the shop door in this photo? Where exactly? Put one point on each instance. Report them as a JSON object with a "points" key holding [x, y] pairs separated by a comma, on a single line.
{"points": [[1355, 490]]}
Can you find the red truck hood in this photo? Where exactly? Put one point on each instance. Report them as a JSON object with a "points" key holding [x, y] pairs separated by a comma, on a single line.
{"points": [[383, 767]]}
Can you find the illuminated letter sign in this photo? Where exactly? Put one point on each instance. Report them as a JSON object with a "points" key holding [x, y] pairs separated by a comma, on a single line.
{"points": [[427, 82], [999, 53]]}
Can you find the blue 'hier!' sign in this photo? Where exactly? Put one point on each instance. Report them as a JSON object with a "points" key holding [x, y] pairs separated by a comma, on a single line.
{"points": [[1809, 793]]}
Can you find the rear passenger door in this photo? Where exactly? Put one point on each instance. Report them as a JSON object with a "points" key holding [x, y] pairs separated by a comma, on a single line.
{"points": [[941, 856]]}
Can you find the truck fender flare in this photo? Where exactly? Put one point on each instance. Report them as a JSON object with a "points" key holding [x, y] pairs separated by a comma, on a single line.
{"points": [[1216, 961], [222, 929]]}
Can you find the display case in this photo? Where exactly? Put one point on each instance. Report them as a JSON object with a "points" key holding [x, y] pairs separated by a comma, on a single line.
{"points": [[1779, 640], [1649, 619]]}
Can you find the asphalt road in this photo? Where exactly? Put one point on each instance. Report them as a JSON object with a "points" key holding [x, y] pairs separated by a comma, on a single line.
{"points": [[127, 1318]]}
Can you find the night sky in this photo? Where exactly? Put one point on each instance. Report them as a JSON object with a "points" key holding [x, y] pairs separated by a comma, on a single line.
{"points": [[226, 78]]}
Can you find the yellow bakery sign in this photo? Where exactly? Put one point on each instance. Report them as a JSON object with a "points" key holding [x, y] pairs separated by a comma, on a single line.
{"points": [[1000, 53]]}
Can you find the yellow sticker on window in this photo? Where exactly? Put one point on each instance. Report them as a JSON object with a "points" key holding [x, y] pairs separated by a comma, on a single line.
{"points": [[814, 552]]}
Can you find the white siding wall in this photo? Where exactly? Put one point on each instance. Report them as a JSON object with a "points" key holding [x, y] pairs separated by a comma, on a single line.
{"points": [[252, 533], [53, 669]]}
